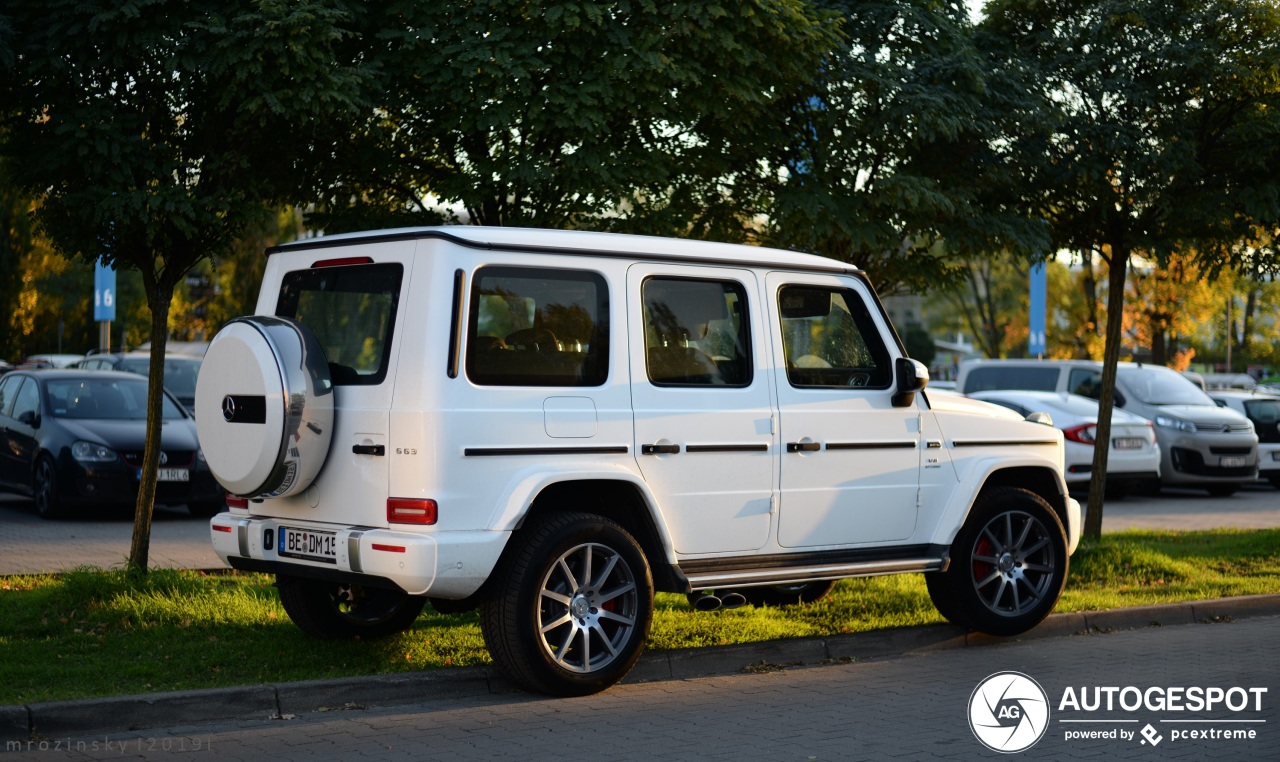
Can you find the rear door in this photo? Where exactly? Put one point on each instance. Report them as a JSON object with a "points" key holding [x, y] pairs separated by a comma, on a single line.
{"points": [[353, 305], [702, 403]]}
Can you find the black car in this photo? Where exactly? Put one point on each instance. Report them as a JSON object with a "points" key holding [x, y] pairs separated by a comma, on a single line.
{"points": [[74, 439], [180, 371]]}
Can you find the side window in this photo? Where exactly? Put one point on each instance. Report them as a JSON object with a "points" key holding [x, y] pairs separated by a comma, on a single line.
{"points": [[27, 399], [538, 327], [1004, 377], [1086, 383], [696, 332], [831, 340], [8, 390], [351, 309]]}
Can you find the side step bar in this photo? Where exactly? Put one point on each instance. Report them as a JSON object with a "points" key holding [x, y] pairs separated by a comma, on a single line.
{"points": [[793, 575]]}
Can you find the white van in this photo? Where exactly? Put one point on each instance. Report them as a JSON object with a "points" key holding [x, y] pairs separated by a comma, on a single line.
{"points": [[549, 426], [1201, 445]]}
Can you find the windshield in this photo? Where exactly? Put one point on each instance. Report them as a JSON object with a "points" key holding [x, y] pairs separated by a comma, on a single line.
{"points": [[103, 400], [179, 375], [1154, 385]]}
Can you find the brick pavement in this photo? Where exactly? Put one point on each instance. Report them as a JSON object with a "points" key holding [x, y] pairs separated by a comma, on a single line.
{"points": [[908, 707]]}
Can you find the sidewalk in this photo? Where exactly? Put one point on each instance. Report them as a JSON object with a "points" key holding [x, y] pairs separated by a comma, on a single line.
{"points": [[54, 719]]}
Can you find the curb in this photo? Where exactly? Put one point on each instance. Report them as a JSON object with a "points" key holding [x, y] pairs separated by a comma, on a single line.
{"points": [[50, 719]]}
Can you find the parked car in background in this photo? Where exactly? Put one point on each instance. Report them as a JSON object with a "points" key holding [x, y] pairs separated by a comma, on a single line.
{"points": [[49, 361], [1134, 457], [1264, 411], [73, 439], [180, 371], [1201, 445]]}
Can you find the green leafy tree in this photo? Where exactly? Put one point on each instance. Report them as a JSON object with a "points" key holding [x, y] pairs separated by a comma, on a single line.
{"points": [[1157, 129], [891, 153], [631, 115], [156, 133]]}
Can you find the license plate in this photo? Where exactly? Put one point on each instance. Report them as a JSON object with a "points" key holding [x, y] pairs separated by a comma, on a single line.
{"points": [[308, 544], [169, 475], [1233, 461], [1128, 443]]}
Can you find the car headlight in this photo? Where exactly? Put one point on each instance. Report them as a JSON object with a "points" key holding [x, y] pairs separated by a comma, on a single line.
{"points": [[89, 452], [1169, 422]]}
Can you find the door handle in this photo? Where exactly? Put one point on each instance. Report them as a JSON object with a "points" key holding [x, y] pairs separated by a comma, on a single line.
{"points": [[803, 446], [657, 449], [369, 449]]}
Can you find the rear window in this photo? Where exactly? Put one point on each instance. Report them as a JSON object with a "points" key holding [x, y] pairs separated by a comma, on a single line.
{"points": [[351, 309], [1011, 377]]}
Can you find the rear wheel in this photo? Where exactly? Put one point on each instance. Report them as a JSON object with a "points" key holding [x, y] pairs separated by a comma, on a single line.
{"points": [[333, 610], [45, 489], [1008, 565], [574, 606]]}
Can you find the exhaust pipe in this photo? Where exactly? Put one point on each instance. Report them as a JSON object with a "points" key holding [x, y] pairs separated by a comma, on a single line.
{"points": [[711, 602]]}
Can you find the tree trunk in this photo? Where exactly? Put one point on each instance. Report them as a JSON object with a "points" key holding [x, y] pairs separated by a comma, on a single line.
{"points": [[1106, 402], [159, 298]]}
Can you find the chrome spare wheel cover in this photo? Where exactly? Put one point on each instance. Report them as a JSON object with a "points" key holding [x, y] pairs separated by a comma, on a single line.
{"points": [[264, 407], [587, 608]]}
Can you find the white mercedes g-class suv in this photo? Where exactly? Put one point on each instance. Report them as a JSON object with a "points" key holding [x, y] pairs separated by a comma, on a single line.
{"points": [[551, 426]]}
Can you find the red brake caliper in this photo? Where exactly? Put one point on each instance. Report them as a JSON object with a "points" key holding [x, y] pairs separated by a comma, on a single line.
{"points": [[981, 568]]}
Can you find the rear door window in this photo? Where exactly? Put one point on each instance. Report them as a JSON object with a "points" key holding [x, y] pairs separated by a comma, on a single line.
{"points": [[351, 309]]}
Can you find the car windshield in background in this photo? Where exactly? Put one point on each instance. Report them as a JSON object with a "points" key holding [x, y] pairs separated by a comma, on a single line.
{"points": [[1161, 386], [103, 400], [179, 375]]}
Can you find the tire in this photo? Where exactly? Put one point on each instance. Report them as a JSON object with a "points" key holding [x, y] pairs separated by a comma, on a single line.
{"points": [[331, 610], [44, 487], [1222, 490], [1008, 565], [553, 626]]}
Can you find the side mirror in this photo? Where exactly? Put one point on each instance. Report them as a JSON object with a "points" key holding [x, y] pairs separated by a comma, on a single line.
{"points": [[911, 377], [29, 418]]}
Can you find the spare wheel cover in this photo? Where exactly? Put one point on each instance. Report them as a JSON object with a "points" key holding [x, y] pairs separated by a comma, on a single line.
{"points": [[264, 407]]}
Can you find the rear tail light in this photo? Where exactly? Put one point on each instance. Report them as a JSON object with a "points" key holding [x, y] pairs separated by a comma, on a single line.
{"points": [[402, 510], [343, 262], [1085, 433], [235, 501]]}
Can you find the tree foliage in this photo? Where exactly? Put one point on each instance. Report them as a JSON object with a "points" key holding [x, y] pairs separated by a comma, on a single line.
{"points": [[1157, 129], [626, 114], [891, 153], [154, 133]]}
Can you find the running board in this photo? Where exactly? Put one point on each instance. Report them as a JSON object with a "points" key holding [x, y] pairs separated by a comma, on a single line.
{"points": [[794, 575]]}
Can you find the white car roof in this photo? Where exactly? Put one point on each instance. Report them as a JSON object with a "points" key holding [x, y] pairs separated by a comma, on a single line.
{"points": [[536, 240]]}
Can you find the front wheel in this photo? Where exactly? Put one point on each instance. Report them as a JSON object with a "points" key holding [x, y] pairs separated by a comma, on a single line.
{"points": [[1008, 565], [332, 610], [573, 607], [45, 489]]}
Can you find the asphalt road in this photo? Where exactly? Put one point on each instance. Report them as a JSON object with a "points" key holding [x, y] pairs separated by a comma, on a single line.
{"points": [[915, 706], [30, 545]]}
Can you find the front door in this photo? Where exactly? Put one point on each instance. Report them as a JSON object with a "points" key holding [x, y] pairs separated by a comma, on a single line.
{"points": [[850, 469], [701, 398]]}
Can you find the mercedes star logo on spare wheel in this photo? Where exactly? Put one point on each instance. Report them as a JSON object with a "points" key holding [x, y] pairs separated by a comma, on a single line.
{"points": [[228, 408], [1009, 712]]}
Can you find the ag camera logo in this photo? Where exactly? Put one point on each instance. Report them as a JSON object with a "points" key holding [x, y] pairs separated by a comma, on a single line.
{"points": [[1009, 712]]}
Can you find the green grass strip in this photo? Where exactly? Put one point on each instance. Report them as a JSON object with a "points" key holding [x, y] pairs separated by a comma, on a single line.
{"points": [[98, 633]]}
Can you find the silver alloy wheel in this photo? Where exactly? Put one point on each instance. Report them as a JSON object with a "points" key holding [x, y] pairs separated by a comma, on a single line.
{"points": [[588, 603], [1013, 563]]}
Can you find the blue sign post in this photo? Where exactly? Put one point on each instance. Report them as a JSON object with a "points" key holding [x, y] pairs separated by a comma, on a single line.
{"points": [[1036, 342], [104, 302]]}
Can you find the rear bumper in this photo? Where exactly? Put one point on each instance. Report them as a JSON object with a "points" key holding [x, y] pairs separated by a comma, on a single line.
{"points": [[442, 564]]}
